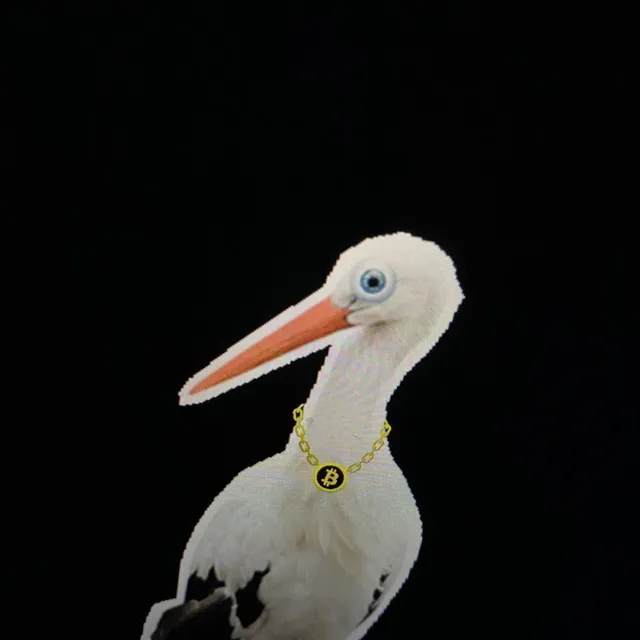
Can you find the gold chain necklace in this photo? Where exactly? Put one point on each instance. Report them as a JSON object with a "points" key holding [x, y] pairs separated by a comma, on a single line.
{"points": [[334, 475]]}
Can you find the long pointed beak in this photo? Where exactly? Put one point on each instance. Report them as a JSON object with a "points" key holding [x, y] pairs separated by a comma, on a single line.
{"points": [[294, 333]]}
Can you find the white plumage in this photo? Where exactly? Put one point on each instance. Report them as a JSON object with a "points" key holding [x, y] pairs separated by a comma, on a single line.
{"points": [[322, 555]]}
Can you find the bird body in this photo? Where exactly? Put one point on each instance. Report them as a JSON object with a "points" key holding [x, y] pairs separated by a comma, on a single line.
{"points": [[323, 565], [277, 556]]}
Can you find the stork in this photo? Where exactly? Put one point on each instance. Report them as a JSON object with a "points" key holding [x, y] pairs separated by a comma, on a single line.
{"points": [[314, 542]]}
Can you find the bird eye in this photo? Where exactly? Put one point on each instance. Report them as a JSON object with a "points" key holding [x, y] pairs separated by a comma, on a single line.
{"points": [[373, 282]]}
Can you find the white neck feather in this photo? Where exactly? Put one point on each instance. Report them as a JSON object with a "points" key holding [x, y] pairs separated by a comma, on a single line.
{"points": [[347, 406]]}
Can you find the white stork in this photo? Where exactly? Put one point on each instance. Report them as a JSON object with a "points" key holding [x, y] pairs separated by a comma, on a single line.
{"points": [[313, 543]]}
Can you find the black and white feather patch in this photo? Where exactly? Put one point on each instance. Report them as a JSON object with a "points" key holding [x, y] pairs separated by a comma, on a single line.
{"points": [[376, 596], [196, 620], [208, 610], [199, 588], [250, 607]]}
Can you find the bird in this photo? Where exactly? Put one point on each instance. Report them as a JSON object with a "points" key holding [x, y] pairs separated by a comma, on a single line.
{"points": [[314, 542]]}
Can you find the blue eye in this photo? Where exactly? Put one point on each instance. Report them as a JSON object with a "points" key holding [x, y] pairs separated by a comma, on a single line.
{"points": [[372, 281]]}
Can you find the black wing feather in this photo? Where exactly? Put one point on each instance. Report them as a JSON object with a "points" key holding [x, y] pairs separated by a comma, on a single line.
{"points": [[250, 607]]}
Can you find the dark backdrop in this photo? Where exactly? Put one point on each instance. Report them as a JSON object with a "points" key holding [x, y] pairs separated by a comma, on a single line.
{"points": [[184, 173]]}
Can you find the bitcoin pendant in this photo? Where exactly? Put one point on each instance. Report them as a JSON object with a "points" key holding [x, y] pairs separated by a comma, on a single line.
{"points": [[330, 477]]}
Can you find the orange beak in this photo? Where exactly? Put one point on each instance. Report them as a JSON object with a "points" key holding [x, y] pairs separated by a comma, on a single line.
{"points": [[290, 331]]}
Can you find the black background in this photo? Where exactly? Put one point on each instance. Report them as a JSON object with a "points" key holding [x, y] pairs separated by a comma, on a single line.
{"points": [[186, 172]]}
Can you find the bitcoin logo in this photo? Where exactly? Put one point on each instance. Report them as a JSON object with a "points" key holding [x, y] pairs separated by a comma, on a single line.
{"points": [[330, 477]]}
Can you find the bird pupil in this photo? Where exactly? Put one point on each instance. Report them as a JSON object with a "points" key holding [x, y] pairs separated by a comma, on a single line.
{"points": [[373, 281]]}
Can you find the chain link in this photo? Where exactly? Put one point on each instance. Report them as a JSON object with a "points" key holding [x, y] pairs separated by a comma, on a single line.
{"points": [[303, 444], [300, 431]]}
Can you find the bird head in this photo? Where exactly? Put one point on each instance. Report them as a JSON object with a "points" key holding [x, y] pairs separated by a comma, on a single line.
{"points": [[396, 279], [393, 279]]}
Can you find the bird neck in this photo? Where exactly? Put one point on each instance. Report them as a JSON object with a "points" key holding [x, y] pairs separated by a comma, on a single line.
{"points": [[347, 406]]}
